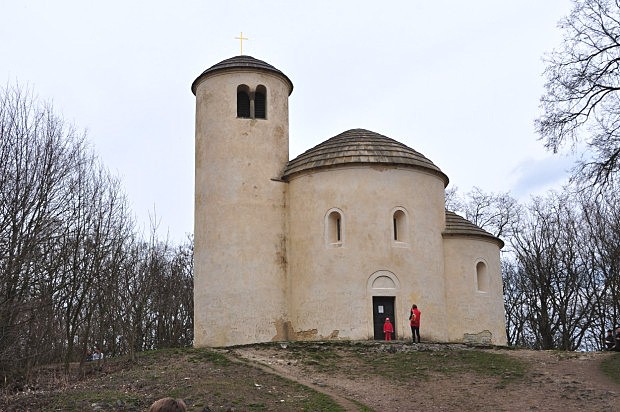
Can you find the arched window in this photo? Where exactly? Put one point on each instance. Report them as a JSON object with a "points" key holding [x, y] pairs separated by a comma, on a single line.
{"points": [[334, 228], [400, 227], [399, 221], [260, 102], [482, 277], [243, 101]]}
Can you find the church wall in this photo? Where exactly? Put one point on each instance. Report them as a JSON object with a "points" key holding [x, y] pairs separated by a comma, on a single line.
{"points": [[474, 308], [330, 284], [240, 224]]}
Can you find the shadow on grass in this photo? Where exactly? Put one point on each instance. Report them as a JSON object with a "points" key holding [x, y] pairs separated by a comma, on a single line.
{"points": [[611, 367]]}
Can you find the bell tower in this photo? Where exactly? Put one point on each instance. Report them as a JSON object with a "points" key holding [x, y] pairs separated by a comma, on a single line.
{"points": [[239, 214]]}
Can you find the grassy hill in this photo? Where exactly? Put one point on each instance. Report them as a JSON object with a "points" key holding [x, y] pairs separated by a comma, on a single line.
{"points": [[221, 380]]}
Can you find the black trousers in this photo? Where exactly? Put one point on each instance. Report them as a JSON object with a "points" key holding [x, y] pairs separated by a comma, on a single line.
{"points": [[415, 331]]}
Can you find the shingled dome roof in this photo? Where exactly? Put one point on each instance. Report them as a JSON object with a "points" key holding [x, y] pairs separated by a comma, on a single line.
{"points": [[359, 146], [240, 62], [459, 226]]}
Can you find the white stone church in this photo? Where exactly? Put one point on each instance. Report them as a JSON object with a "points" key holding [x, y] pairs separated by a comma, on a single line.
{"points": [[329, 244]]}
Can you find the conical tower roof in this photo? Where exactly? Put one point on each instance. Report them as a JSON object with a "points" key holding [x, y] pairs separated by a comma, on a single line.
{"points": [[242, 62]]}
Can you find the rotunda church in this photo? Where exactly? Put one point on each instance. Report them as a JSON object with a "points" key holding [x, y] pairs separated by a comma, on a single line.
{"points": [[327, 245]]}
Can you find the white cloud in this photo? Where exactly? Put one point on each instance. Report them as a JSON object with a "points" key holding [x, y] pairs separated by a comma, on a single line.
{"points": [[536, 176]]}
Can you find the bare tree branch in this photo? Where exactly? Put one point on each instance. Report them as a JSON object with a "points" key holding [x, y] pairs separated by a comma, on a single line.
{"points": [[581, 91]]}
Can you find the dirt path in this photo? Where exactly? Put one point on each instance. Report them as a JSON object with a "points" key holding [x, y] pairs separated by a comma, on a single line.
{"points": [[562, 381], [556, 381], [278, 368]]}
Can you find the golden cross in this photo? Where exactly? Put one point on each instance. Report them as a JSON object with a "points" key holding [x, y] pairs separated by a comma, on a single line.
{"points": [[241, 39]]}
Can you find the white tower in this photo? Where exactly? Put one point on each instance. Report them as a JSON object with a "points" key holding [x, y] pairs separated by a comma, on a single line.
{"points": [[240, 217]]}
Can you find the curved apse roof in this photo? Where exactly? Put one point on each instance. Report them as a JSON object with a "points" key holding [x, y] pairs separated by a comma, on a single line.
{"points": [[241, 62], [459, 226], [360, 146]]}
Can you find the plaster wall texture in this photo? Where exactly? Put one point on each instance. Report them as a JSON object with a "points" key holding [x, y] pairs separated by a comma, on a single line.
{"points": [[240, 222], [331, 285], [474, 307]]}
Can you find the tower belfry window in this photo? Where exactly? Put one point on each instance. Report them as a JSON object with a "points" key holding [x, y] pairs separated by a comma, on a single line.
{"points": [[243, 101], [260, 101], [251, 104]]}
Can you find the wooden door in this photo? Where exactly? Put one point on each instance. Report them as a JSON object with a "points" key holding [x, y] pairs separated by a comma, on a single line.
{"points": [[382, 307]]}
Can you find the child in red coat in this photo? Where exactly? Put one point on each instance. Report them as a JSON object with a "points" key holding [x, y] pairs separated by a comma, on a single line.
{"points": [[388, 329]]}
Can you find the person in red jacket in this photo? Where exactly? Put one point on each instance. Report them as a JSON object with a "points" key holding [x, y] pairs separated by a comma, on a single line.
{"points": [[414, 321], [388, 329]]}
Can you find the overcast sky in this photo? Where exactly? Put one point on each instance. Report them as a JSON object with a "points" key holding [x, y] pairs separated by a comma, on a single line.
{"points": [[458, 81]]}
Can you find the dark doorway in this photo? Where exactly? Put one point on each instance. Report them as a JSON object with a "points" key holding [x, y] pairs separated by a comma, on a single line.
{"points": [[382, 307]]}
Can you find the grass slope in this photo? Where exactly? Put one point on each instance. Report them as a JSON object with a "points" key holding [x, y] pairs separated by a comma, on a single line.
{"points": [[213, 380]]}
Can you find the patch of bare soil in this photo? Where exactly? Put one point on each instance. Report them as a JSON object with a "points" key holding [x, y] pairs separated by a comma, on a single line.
{"points": [[554, 381]]}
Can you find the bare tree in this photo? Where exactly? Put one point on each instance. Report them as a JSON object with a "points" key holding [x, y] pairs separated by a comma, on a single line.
{"points": [[515, 304], [453, 201], [36, 151], [497, 213], [174, 299], [555, 275], [93, 231], [581, 101], [73, 271], [601, 216]]}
